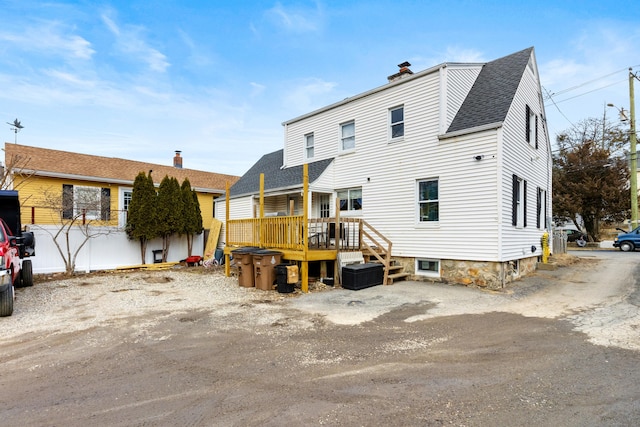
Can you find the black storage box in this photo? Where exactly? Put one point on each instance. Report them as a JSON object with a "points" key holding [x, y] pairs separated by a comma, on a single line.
{"points": [[360, 276], [282, 279]]}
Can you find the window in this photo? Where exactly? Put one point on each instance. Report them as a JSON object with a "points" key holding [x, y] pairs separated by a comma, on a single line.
{"points": [[519, 203], [351, 199], [125, 202], [542, 209], [325, 206], [396, 117], [428, 202], [348, 138], [532, 127], [428, 267], [93, 203], [308, 145]]}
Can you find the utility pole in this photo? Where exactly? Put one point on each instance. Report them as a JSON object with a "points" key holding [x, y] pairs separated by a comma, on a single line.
{"points": [[634, 155]]}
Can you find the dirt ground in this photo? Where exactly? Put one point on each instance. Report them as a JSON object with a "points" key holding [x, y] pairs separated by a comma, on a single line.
{"points": [[558, 348]]}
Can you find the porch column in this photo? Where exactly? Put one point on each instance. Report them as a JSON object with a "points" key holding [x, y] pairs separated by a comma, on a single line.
{"points": [[305, 225], [227, 258]]}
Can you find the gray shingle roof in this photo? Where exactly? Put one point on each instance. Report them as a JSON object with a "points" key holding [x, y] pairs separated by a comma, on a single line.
{"points": [[489, 99], [275, 177]]}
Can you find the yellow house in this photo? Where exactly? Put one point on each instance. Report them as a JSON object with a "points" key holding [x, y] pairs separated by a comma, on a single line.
{"points": [[44, 177]]}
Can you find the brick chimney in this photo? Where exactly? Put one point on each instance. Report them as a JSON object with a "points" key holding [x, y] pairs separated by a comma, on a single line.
{"points": [[404, 72], [177, 160]]}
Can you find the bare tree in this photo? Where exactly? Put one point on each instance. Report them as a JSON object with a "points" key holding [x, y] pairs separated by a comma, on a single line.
{"points": [[85, 210], [15, 171]]}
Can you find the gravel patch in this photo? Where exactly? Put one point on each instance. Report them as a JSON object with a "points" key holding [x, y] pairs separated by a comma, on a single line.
{"points": [[97, 299]]}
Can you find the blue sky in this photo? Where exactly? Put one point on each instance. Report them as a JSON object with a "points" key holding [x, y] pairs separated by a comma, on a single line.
{"points": [[140, 79]]}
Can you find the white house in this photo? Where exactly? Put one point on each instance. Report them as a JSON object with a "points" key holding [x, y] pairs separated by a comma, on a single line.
{"points": [[452, 164]]}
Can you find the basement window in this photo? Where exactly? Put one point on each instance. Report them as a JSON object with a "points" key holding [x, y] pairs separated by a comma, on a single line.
{"points": [[428, 267]]}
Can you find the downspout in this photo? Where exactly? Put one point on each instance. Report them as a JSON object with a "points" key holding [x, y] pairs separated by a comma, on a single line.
{"points": [[227, 258]]}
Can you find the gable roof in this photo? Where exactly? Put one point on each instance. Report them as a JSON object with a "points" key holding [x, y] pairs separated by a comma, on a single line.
{"points": [[274, 176], [65, 164], [491, 95]]}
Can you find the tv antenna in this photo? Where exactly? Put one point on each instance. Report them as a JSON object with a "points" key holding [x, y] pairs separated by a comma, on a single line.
{"points": [[15, 127]]}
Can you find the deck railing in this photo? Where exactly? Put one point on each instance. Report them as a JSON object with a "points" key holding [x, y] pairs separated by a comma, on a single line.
{"points": [[285, 232], [282, 232]]}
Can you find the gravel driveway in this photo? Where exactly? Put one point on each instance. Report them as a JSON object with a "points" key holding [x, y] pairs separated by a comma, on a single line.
{"points": [[191, 347]]}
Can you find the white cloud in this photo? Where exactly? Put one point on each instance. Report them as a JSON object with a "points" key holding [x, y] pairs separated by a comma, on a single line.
{"points": [[296, 20], [308, 95], [197, 57], [130, 42], [257, 89], [450, 54], [590, 73], [51, 38], [70, 79]]}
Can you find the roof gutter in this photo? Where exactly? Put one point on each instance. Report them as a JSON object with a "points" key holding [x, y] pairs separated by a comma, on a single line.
{"points": [[368, 93], [476, 129], [61, 175]]}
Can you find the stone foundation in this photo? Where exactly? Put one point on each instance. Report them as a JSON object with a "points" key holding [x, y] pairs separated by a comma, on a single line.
{"points": [[483, 274]]}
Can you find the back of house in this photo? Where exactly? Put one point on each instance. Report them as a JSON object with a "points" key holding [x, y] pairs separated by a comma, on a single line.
{"points": [[452, 164]]}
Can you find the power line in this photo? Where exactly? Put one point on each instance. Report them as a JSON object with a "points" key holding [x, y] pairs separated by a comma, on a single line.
{"points": [[588, 92], [550, 95], [556, 105]]}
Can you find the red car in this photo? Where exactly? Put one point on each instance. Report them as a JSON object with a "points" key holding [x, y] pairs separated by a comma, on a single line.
{"points": [[15, 245]]}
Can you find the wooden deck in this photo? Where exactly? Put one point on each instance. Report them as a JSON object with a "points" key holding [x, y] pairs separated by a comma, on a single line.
{"points": [[303, 239]]}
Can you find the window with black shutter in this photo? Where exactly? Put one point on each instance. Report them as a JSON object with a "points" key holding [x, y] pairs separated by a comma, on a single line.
{"points": [[105, 204], [67, 201]]}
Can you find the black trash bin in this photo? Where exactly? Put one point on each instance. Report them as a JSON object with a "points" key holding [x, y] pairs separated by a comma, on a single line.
{"points": [[282, 279]]}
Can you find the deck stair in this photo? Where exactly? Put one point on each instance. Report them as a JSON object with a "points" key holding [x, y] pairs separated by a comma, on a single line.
{"points": [[377, 248], [393, 271], [396, 272]]}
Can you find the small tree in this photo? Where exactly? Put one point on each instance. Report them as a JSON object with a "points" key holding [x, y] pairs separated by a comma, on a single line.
{"points": [[141, 216], [191, 214], [169, 212], [87, 212], [591, 175]]}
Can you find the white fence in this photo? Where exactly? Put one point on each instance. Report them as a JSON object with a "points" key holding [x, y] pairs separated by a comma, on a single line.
{"points": [[105, 252], [559, 242]]}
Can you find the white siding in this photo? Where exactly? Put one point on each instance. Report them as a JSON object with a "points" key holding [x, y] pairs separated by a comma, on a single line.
{"points": [[474, 195], [325, 183], [457, 82], [238, 209], [387, 172], [527, 162]]}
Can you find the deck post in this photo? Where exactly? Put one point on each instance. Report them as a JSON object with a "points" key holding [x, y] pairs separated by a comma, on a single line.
{"points": [[336, 268], [261, 195], [305, 225], [227, 260], [261, 222]]}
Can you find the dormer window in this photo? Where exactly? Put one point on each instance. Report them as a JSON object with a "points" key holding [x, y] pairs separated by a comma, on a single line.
{"points": [[308, 145], [531, 127], [348, 136], [396, 118]]}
